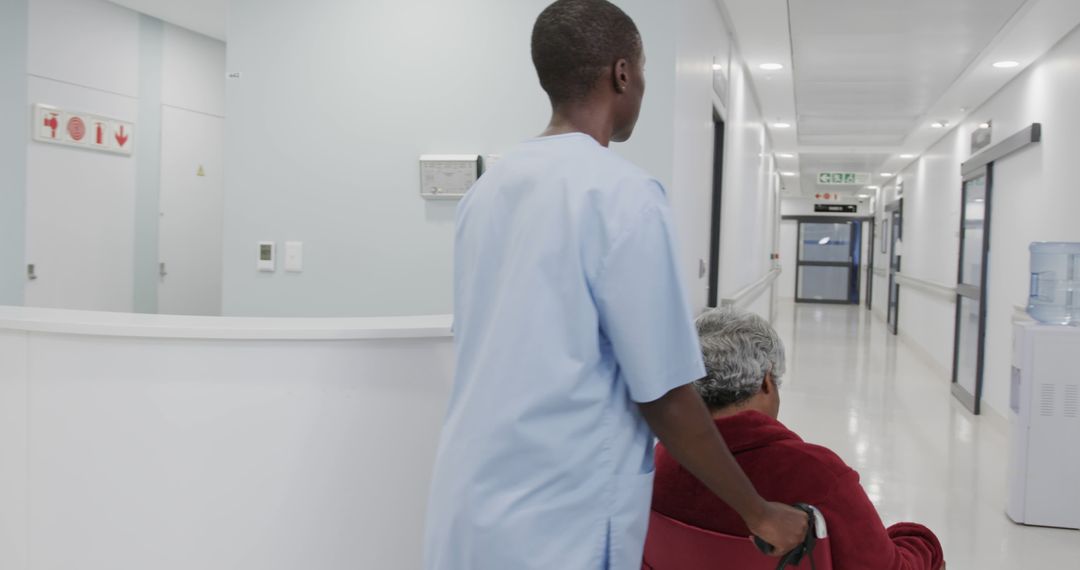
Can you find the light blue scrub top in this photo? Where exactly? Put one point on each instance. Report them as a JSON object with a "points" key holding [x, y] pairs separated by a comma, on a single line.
{"points": [[569, 310]]}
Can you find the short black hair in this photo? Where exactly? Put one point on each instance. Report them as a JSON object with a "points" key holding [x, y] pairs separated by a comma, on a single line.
{"points": [[573, 41]]}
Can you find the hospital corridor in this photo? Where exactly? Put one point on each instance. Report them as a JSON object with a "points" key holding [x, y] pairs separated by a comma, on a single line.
{"points": [[539, 284], [885, 409]]}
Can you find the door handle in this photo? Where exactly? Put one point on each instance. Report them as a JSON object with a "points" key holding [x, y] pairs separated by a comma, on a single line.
{"points": [[31, 272], [161, 270]]}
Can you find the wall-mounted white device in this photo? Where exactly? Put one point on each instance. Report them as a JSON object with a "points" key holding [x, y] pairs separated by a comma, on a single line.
{"points": [[267, 257], [294, 256], [448, 176], [1044, 466]]}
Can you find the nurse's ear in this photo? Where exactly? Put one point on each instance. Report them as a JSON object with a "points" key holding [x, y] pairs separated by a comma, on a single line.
{"points": [[621, 75]]}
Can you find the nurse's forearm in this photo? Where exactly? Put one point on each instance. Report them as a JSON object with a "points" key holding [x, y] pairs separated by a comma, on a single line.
{"points": [[682, 422]]}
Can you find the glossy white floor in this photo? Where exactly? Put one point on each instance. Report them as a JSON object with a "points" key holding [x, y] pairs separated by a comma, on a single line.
{"points": [[868, 396]]}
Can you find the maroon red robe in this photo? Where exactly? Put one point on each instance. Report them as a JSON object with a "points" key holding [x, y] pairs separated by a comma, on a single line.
{"points": [[786, 469]]}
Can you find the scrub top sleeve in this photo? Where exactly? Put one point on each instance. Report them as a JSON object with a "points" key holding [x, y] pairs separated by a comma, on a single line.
{"points": [[644, 311]]}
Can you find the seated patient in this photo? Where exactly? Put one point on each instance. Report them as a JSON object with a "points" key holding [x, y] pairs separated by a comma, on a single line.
{"points": [[744, 359]]}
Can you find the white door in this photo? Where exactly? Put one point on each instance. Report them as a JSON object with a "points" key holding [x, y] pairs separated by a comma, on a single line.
{"points": [[192, 204], [80, 213]]}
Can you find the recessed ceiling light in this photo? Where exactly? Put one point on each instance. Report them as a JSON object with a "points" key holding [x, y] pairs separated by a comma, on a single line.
{"points": [[907, 156], [939, 124], [787, 174], [863, 196], [979, 200], [886, 174], [1007, 64], [781, 125], [717, 67], [873, 188], [771, 66], [984, 125], [785, 155]]}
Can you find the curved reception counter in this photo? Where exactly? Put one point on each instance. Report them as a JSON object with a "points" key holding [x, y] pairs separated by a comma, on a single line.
{"points": [[175, 443]]}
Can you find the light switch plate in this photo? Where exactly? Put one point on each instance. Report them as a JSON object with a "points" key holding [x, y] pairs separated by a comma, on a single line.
{"points": [[294, 256]]}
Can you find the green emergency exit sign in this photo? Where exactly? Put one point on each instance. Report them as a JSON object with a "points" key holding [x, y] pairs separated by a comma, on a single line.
{"points": [[843, 178]]}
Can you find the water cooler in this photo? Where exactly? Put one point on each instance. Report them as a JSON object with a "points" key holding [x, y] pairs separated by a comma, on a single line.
{"points": [[1044, 470]]}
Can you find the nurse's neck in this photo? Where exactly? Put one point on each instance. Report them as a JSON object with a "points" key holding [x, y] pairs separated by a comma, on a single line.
{"points": [[592, 117]]}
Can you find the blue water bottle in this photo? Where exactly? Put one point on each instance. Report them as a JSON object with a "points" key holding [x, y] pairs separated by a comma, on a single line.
{"points": [[1055, 283]]}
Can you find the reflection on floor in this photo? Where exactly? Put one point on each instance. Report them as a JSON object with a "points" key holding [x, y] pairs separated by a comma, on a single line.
{"points": [[858, 390]]}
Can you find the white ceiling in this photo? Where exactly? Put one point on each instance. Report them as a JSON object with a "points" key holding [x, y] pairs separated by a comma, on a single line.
{"points": [[866, 70], [204, 16], [863, 79]]}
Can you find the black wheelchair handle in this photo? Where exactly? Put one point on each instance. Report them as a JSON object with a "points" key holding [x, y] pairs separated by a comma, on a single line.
{"points": [[795, 556]]}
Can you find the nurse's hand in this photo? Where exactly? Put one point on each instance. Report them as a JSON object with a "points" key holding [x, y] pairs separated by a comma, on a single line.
{"points": [[780, 525]]}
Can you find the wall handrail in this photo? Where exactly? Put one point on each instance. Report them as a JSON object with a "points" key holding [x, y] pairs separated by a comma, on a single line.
{"points": [[926, 285], [743, 297]]}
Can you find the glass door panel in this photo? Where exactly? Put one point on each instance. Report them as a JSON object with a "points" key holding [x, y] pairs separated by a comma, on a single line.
{"points": [[826, 269], [896, 232], [974, 217], [826, 242], [823, 283], [970, 290], [967, 345]]}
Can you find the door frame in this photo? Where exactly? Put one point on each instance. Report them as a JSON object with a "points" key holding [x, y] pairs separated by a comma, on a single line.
{"points": [[872, 243], [719, 131], [895, 210], [984, 161], [972, 401], [854, 270]]}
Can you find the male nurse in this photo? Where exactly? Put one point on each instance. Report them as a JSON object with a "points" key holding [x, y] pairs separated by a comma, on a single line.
{"points": [[575, 343]]}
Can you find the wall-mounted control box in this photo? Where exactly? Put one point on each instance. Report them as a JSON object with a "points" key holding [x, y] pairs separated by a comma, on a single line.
{"points": [[448, 176], [267, 258]]}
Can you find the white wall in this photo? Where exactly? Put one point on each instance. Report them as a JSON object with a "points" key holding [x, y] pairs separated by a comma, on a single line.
{"points": [[80, 203], [14, 125], [324, 135], [193, 71], [749, 210], [1034, 199], [91, 218]]}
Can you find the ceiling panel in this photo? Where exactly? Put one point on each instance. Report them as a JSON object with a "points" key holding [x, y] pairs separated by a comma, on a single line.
{"points": [[886, 59]]}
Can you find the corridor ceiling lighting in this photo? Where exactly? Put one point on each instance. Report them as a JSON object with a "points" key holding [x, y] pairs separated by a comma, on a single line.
{"points": [[785, 155], [781, 125], [984, 125], [771, 66], [863, 196], [1007, 64], [907, 156], [939, 124], [873, 188], [787, 174], [886, 174], [717, 67]]}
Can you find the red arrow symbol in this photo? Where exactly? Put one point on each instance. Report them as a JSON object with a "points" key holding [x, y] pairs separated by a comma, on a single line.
{"points": [[121, 138]]}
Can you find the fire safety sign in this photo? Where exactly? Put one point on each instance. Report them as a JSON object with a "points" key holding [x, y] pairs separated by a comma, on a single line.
{"points": [[93, 132]]}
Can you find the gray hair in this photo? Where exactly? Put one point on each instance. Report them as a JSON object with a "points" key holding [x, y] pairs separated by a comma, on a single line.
{"points": [[739, 349]]}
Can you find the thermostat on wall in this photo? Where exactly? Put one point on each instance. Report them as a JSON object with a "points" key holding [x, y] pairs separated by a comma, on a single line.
{"points": [[267, 256], [448, 176]]}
